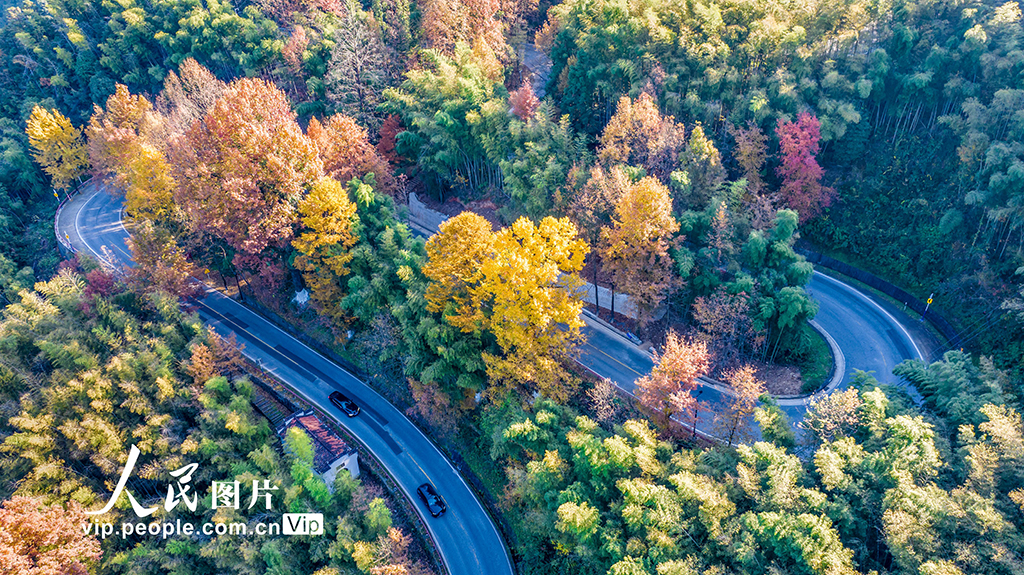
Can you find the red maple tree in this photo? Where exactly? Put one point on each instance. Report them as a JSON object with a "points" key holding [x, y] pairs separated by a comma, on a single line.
{"points": [[389, 131], [524, 102], [801, 175]]}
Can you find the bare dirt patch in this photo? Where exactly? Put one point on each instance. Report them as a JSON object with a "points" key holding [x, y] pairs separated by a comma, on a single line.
{"points": [[780, 379]]}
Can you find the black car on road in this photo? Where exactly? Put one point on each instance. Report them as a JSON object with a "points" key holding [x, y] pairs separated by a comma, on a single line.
{"points": [[343, 403], [433, 501]]}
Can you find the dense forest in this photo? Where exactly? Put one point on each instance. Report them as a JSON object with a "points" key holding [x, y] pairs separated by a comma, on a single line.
{"points": [[676, 153], [891, 128], [91, 367]]}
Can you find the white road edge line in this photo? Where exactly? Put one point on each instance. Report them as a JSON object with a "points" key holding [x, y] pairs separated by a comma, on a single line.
{"points": [[880, 308], [78, 231], [338, 421], [494, 528], [441, 453]]}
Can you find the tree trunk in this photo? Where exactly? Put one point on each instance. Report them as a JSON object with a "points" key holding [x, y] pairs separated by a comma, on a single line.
{"points": [[613, 305]]}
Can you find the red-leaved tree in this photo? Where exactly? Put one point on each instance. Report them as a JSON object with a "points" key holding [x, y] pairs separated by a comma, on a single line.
{"points": [[524, 102], [801, 175], [389, 131]]}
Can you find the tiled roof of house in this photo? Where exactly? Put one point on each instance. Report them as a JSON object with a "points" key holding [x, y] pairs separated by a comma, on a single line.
{"points": [[327, 446]]}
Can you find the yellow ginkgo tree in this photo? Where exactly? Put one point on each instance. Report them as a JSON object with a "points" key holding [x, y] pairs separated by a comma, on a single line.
{"points": [[328, 217], [522, 285], [636, 248], [454, 258], [57, 145], [125, 141]]}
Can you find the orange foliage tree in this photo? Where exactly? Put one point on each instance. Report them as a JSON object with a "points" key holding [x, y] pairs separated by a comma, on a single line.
{"points": [[347, 153], [389, 131], [723, 321], [735, 421], [161, 261], [667, 388], [114, 131], [36, 539], [635, 249], [639, 135], [447, 23], [243, 168]]}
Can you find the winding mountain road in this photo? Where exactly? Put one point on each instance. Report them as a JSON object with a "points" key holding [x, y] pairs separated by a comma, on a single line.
{"points": [[871, 334], [466, 536]]}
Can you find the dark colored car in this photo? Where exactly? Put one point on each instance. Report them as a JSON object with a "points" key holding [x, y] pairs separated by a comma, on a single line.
{"points": [[433, 501], [345, 404]]}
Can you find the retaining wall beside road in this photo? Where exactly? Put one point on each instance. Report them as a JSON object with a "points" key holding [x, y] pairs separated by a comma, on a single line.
{"points": [[423, 216]]}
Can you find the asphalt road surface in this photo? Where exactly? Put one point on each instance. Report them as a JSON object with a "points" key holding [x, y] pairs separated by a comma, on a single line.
{"points": [[466, 537], [872, 335]]}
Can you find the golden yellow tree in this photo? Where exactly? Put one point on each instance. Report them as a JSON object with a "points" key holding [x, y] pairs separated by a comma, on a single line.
{"points": [[530, 287], [149, 189], [123, 142], [57, 146], [454, 258], [328, 218], [520, 284], [635, 249]]}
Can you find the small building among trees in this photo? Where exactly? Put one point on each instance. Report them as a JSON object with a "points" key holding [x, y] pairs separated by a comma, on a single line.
{"points": [[331, 453]]}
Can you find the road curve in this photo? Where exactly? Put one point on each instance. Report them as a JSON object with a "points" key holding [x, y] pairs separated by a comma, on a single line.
{"points": [[870, 337], [466, 537]]}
